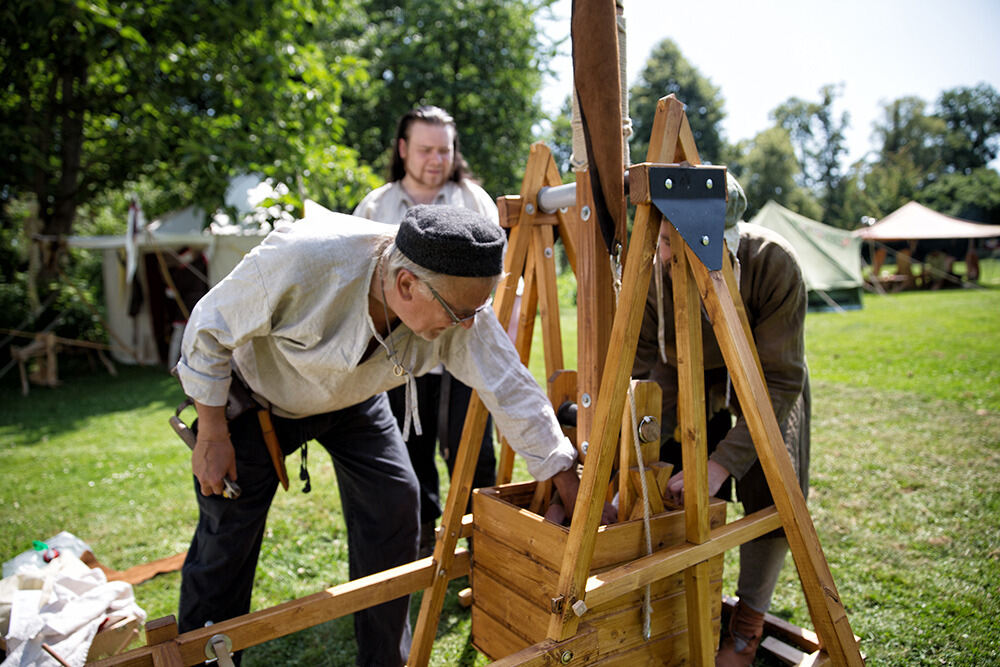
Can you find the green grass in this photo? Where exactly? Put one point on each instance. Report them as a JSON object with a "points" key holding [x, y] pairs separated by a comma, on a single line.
{"points": [[905, 486]]}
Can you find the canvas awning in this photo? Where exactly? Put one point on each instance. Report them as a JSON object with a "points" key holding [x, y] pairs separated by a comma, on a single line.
{"points": [[914, 221]]}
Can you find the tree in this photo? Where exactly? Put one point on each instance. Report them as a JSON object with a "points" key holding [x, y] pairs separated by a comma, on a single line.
{"points": [[971, 118], [909, 134], [817, 134], [973, 196], [767, 172], [666, 72], [99, 94], [481, 60]]}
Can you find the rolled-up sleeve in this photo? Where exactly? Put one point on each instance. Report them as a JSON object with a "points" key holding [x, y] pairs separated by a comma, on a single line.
{"points": [[233, 312], [484, 358]]}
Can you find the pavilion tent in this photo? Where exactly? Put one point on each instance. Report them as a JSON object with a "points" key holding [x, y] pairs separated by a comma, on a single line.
{"points": [[830, 258], [914, 222], [142, 315]]}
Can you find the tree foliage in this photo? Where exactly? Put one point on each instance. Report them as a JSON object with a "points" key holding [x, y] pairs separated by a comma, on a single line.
{"points": [[971, 117], [767, 171], [480, 60], [668, 71], [100, 94], [818, 135]]}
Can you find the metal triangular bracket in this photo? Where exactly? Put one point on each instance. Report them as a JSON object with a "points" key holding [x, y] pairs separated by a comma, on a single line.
{"points": [[693, 199]]}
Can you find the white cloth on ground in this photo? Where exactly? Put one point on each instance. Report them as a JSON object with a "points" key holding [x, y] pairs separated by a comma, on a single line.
{"points": [[63, 605]]}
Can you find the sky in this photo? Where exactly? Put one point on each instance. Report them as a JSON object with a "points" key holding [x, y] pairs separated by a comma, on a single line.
{"points": [[761, 53]]}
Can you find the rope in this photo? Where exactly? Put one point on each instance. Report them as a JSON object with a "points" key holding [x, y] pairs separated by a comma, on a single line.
{"points": [[647, 607]]}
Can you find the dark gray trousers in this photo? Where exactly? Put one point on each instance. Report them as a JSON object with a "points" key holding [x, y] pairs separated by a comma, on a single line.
{"points": [[379, 496]]}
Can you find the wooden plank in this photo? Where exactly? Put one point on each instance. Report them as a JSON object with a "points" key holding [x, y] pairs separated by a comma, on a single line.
{"points": [[291, 617], [161, 630], [167, 655], [701, 600], [623, 631], [667, 651], [825, 607], [594, 308], [575, 652], [637, 573], [782, 651], [523, 575], [694, 444], [607, 420], [494, 597], [543, 257], [493, 638]]}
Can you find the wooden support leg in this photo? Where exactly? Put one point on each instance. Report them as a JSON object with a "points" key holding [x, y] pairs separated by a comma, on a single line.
{"points": [[825, 607]]}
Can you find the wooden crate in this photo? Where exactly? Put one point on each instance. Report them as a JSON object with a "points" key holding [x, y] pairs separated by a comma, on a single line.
{"points": [[515, 574]]}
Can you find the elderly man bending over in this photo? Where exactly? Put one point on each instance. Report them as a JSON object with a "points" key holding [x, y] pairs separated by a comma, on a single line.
{"points": [[318, 321]]}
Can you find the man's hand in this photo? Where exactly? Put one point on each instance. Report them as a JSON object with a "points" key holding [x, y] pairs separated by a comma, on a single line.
{"points": [[214, 456], [568, 485], [716, 476]]}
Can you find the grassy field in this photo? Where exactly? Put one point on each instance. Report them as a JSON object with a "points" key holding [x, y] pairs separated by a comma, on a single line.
{"points": [[905, 493]]}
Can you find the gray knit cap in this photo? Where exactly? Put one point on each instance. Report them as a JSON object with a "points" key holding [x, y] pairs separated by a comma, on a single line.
{"points": [[452, 240]]}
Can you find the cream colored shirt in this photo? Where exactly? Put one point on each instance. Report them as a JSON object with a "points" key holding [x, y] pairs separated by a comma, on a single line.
{"points": [[293, 316], [390, 202]]}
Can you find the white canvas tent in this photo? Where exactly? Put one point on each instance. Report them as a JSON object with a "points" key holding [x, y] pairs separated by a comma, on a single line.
{"points": [[137, 339], [830, 258], [913, 221]]}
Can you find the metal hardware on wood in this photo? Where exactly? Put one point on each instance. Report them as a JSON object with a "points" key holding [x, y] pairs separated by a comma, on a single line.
{"points": [[556, 604], [584, 446], [579, 607], [529, 208], [649, 429], [585, 400], [585, 213], [217, 643], [566, 657], [548, 253]]}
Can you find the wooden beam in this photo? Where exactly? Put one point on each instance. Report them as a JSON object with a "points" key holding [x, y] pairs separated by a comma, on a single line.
{"points": [[606, 586], [825, 607], [285, 619]]}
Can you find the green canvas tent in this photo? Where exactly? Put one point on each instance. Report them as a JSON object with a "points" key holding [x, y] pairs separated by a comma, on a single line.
{"points": [[830, 258]]}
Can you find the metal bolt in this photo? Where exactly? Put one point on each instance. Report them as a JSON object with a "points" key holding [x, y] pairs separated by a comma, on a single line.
{"points": [[548, 253], [705, 240], [441, 572], [566, 657], [649, 429], [708, 183], [529, 208], [585, 213], [668, 184], [585, 400], [584, 446], [224, 643]]}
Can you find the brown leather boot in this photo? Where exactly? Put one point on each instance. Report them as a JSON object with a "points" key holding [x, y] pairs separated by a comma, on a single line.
{"points": [[745, 629]]}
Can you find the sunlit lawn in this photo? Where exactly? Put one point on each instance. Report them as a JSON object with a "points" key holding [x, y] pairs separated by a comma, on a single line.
{"points": [[905, 493]]}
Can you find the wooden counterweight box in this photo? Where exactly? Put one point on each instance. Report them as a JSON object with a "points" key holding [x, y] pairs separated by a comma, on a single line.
{"points": [[516, 560]]}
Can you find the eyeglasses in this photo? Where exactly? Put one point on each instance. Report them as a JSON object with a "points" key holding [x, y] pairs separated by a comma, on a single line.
{"points": [[455, 319]]}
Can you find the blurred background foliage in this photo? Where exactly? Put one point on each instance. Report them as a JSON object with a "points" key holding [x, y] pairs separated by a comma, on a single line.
{"points": [[169, 101]]}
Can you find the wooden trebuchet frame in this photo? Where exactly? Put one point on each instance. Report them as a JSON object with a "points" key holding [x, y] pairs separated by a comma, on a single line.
{"points": [[568, 640]]}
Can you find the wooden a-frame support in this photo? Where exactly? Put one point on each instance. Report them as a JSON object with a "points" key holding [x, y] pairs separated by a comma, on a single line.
{"points": [[529, 256], [671, 141]]}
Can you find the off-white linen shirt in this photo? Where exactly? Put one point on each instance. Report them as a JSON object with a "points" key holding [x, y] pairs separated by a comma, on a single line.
{"points": [[293, 316], [390, 202]]}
